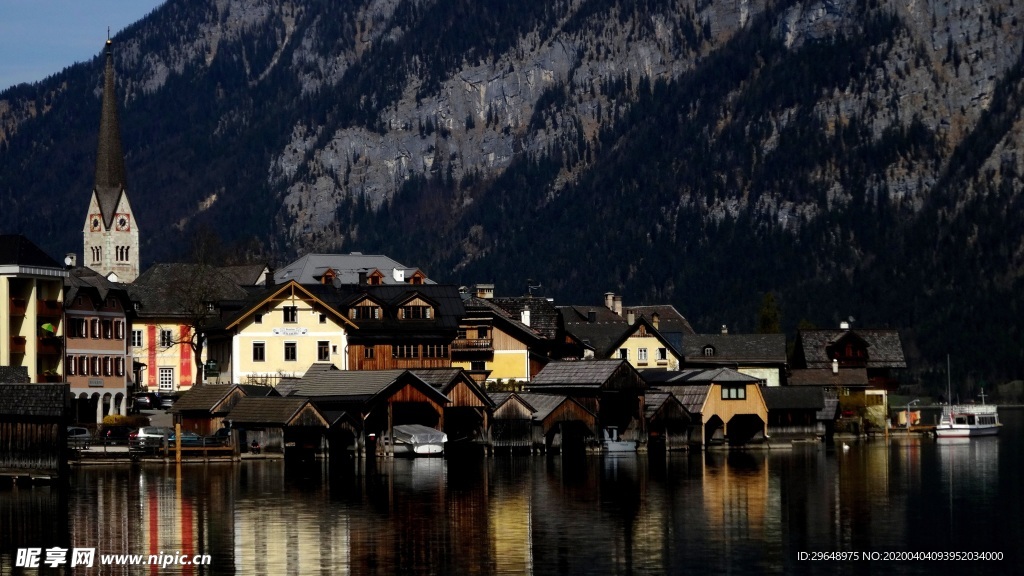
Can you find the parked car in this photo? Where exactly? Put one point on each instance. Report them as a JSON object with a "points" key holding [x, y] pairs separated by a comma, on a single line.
{"points": [[116, 434], [188, 438], [149, 437], [79, 438], [167, 402], [143, 401]]}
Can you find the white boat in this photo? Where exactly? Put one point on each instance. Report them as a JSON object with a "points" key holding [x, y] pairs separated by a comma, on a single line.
{"points": [[416, 440], [612, 442], [966, 420]]}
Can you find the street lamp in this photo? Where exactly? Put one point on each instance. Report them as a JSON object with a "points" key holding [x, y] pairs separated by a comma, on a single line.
{"points": [[909, 404]]}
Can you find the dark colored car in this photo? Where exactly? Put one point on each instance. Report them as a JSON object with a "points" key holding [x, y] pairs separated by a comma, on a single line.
{"points": [[116, 434], [79, 438], [143, 401], [167, 402], [188, 438]]}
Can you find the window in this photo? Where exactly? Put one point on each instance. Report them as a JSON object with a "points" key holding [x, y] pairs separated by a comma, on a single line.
{"points": [[734, 392], [405, 351], [83, 365], [662, 354], [94, 365], [624, 353], [641, 355], [119, 364], [259, 351], [71, 365], [323, 350], [166, 339], [416, 312], [258, 318], [108, 366], [119, 329], [79, 328], [323, 318], [481, 333], [435, 351], [291, 314], [137, 338], [709, 351], [478, 365], [364, 313], [462, 334], [291, 352], [94, 324], [165, 379], [108, 329], [368, 352]]}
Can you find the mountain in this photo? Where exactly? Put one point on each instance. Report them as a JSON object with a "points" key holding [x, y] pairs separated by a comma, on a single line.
{"points": [[854, 157]]}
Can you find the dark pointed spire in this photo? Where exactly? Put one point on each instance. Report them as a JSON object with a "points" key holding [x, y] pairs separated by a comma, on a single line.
{"points": [[110, 172]]}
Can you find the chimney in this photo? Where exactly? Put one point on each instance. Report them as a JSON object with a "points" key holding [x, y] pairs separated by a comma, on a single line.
{"points": [[618, 305], [609, 300], [844, 325], [591, 316], [630, 318], [835, 366], [269, 281], [725, 329], [70, 260], [655, 319], [525, 317]]}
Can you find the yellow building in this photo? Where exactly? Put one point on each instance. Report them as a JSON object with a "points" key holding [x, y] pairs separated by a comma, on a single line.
{"points": [[31, 309], [280, 334], [492, 345]]}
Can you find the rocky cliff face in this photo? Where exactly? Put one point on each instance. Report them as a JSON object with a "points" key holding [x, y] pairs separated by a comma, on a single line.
{"points": [[790, 119]]}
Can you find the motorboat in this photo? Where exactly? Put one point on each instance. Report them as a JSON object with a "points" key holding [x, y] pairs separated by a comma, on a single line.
{"points": [[415, 440], [612, 442], [967, 420]]}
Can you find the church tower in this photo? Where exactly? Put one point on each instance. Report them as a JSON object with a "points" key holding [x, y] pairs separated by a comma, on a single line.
{"points": [[111, 232]]}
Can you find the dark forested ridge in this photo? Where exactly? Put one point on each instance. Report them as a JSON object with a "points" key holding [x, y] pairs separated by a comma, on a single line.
{"points": [[859, 158]]}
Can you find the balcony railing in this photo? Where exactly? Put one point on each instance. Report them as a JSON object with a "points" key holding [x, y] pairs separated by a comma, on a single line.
{"points": [[49, 308], [49, 345], [472, 345], [17, 344], [18, 306]]}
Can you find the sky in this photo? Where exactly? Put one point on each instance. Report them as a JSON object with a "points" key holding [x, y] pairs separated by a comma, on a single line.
{"points": [[41, 37]]}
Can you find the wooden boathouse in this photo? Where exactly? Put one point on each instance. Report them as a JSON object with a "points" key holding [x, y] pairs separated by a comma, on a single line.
{"points": [[33, 430]]}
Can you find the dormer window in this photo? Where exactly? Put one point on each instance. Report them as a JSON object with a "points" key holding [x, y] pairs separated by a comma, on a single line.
{"points": [[709, 351], [365, 311], [416, 312]]}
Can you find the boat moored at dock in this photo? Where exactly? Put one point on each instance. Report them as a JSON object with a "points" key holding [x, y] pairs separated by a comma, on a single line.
{"points": [[967, 420]]}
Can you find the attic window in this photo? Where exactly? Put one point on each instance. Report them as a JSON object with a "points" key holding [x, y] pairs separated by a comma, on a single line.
{"points": [[416, 312], [734, 392], [709, 351]]}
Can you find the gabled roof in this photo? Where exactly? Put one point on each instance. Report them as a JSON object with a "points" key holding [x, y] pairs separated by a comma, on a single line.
{"points": [[601, 333], [87, 280], [544, 317], [544, 404], [168, 289], [845, 377], [669, 319], [500, 398], [310, 268], [205, 398], [110, 172], [272, 411], [33, 400], [585, 374], [17, 251], [787, 398], [884, 348], [752, 348], [651, 331], [693, 386], [657, 400], [359, 385], [247, 274], [476, 306], [443, 325], [444, 379], [257, 301]]}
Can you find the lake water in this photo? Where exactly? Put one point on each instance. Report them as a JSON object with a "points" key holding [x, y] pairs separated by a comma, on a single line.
{"points": [[757, 512]]}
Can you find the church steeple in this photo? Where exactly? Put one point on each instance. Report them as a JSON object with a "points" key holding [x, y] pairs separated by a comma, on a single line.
{"points": [[111, 234], [110, 173]]}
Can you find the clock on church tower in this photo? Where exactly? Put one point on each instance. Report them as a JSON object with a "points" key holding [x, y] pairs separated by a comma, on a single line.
{"points": [[122, 222]]}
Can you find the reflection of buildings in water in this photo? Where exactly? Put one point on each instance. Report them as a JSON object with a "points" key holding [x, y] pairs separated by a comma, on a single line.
{"points": [[508, 513], [735, 492]]}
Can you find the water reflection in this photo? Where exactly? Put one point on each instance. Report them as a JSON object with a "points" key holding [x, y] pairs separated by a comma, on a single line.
{"points": [[718, 512]]}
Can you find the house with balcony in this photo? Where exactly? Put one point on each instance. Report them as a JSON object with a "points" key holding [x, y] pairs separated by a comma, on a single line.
{"points": [[492, 345], [610, 333], [31, 317], [760, 355], [96, 345], [278, 333]]}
